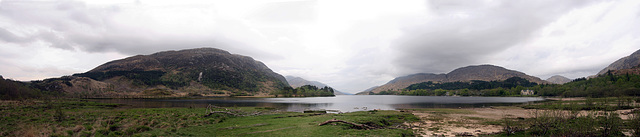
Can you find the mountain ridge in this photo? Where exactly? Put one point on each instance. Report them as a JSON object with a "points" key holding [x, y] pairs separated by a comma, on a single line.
{"points": [[627, 62], [296, 82], [557, 79], [468, 73], [189, 71]]}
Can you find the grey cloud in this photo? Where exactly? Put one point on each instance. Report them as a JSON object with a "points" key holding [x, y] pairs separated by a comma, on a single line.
{"points": [[73, 25], [56, 15], [467, 33], [286, 12], [7, 36]]}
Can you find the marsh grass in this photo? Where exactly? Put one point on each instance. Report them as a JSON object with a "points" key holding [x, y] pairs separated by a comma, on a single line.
{"points": [[298, 124], [83, 118], [444, 111], [588, 117], [600, 104]]}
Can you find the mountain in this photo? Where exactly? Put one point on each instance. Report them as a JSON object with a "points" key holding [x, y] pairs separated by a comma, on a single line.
{"points": [[371, 88], [205, 71], [366, 91], [627, 62], [557, 79], [296, 82], [480, 72]]}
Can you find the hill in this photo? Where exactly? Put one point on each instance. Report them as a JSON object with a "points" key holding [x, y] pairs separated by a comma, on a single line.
{"points": [[557, 79], [627, 62], [366, 91], [296, 82], [204, 71], [480, 72], [16, 90]]}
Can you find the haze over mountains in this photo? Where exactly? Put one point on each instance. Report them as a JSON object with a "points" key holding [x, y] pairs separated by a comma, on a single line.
{"points": [[626, 65], [296, 82], [480, 72], [557, 79], [210, 71], [627, 62], [623, 66]]}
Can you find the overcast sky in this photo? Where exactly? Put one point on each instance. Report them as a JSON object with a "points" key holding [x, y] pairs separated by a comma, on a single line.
{"points": [[350, 45]]}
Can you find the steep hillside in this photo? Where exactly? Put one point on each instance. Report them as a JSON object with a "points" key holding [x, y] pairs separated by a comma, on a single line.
{"points": [[557, 79], [404, 81], [630, 71], [627, 62], [481, 72], [202, 71], [296, 82]]}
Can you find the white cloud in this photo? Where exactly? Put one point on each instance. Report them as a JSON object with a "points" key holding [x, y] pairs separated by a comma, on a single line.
{"points": [[350, 45], [579, 43]]}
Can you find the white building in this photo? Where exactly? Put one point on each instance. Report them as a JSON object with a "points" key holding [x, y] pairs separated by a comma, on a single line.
{"points": [[526, 92]]}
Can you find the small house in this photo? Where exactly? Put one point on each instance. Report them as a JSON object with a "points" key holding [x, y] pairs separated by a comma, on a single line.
{"points": [[526, 92]]}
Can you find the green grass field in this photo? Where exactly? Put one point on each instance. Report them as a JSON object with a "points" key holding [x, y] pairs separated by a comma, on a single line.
{"points": [[84, 118]]}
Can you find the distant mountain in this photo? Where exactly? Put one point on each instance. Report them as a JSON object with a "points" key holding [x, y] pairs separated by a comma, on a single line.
{"points": [[202, 70], [557, 79], [371, 88], [627, 62], [366, 91], [296, 82], [481, 72]]}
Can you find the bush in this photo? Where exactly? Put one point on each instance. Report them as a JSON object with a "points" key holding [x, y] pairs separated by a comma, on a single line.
{"points": [[569, 123], [103, 131], [634, 124], [136, 129]]}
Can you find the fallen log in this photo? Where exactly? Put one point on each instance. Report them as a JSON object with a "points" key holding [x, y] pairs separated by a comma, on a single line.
{"points": [[632, 111], [224, 112], [213, 106], [210, 111], [360, 126], [254, 125]]}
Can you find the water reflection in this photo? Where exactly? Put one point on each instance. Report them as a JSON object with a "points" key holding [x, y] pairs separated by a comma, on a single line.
{"points": [[343, 103]]}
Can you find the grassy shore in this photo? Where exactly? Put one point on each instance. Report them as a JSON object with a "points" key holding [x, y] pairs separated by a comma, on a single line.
{"points": [[85, 118], [77, 117]]}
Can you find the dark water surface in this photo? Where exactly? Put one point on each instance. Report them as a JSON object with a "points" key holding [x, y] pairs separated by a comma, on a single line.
{"points": [[343, 103]]}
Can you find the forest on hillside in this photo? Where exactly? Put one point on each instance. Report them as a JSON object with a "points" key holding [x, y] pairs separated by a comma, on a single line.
{"points": [[305, 91], [608, 85]]}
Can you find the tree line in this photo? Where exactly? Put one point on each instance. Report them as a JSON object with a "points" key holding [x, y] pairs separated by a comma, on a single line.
{"points": [[509, 87], [16, 90], [305, 91]]}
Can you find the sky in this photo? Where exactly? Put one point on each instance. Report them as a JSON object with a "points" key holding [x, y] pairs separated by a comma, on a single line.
{"points": [[350, 45]]}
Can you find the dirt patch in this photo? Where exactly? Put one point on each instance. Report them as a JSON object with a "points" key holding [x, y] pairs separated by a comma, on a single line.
{"points": [[566, 99], [477, 121], [270, 130], [464, 121]]}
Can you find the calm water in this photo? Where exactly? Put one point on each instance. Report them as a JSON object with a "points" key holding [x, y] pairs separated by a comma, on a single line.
{"points": [[343, 103]]}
